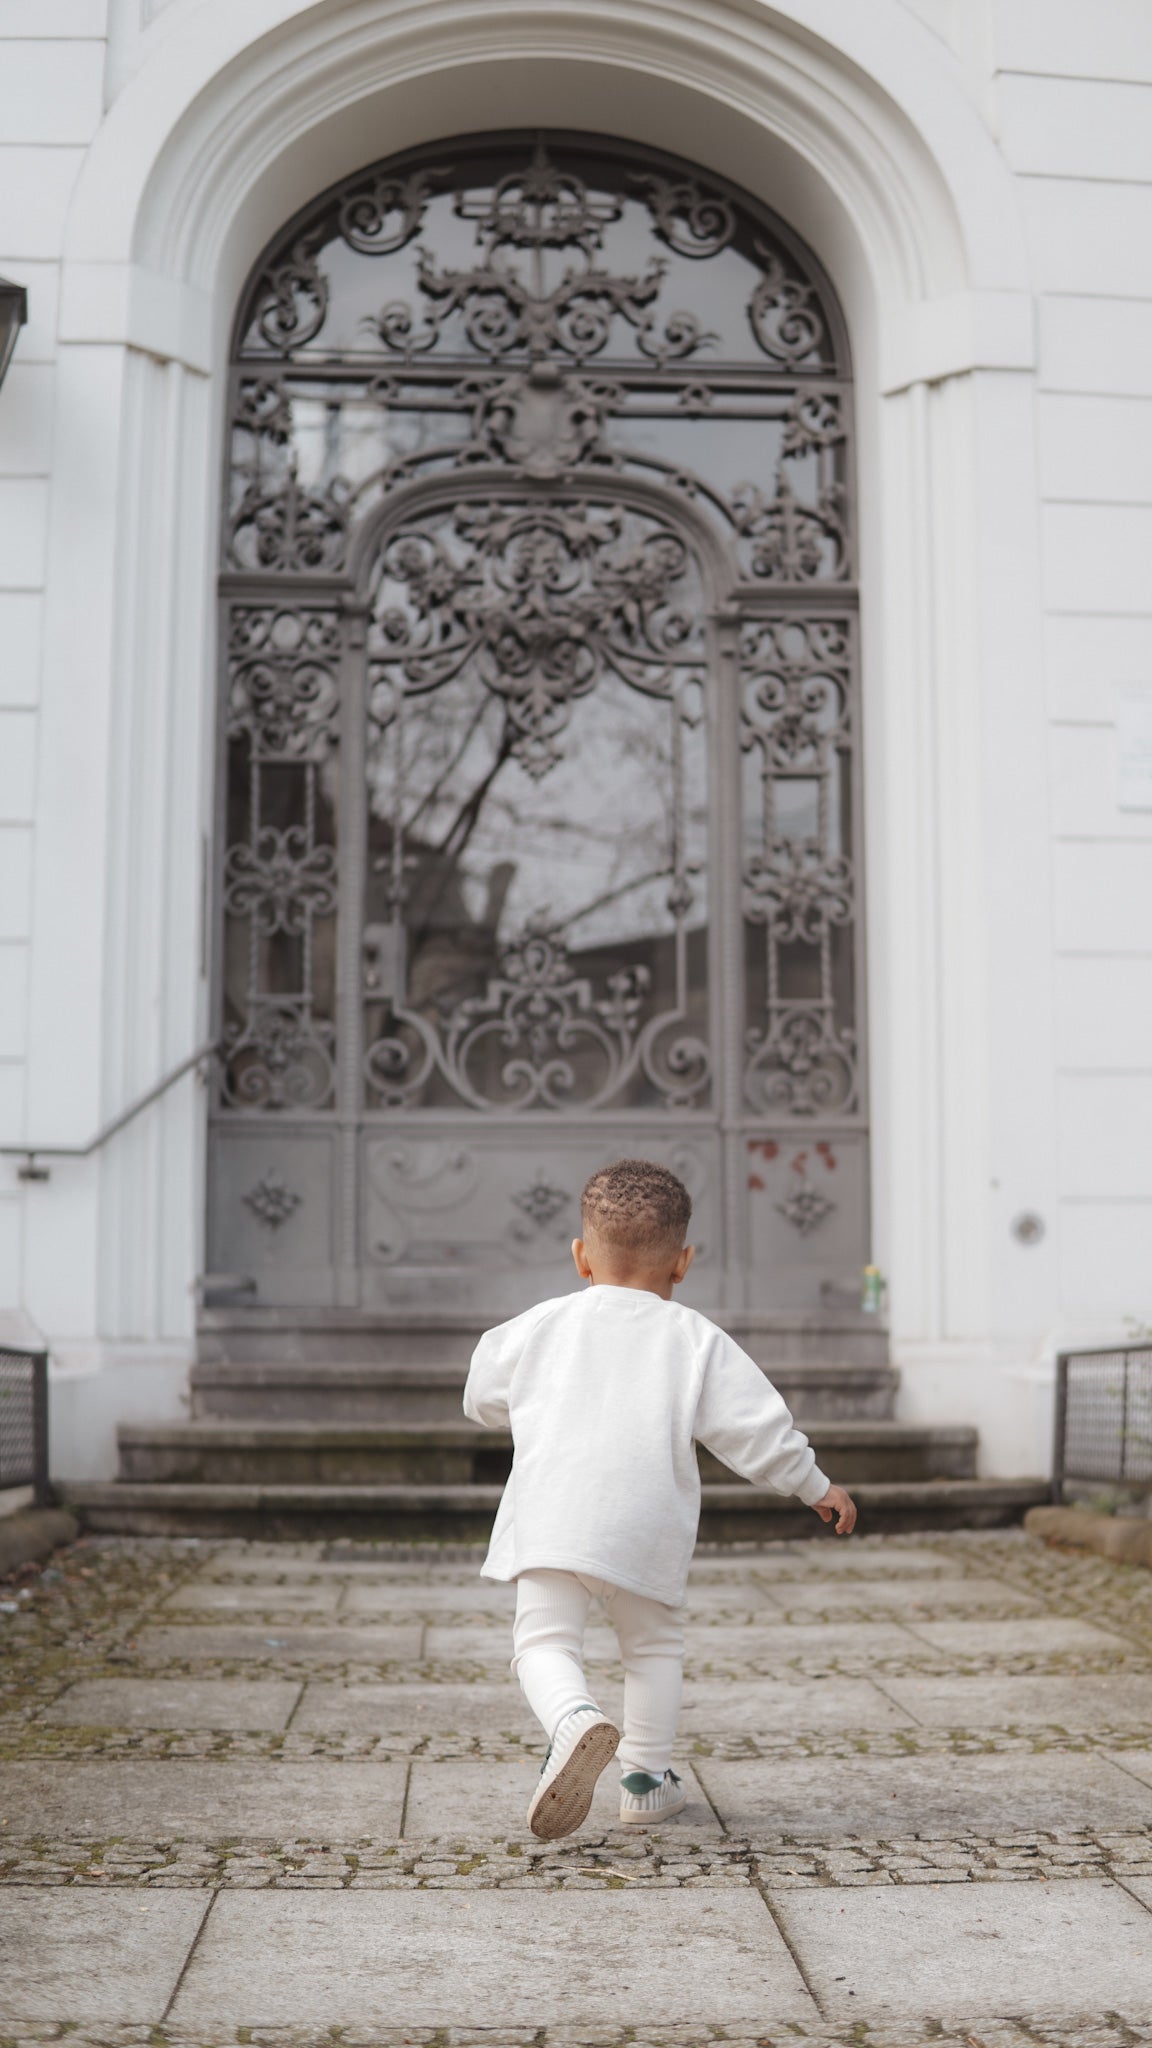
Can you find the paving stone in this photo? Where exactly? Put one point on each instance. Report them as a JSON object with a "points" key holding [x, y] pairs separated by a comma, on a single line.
{"points": [[163, 1801], [764, 1706], [207, 1642], [1076, 1704], [714, 1605], [940, 1795], [1137, 1761], [925, 1597], [270, 1561], [243, 1557], [971, 1950], [768, 1646], [488, 1644], [755, 1645], [879, 1558], [1141, 1887], [449, 1959], [467, 1710], [264, 1596], [492, 1645], [1008, 1805], [1047, 1636], [716, 1563], [224, 1703], [452, 1596], [472, 1800], [826, 1556], [94, 1956]]}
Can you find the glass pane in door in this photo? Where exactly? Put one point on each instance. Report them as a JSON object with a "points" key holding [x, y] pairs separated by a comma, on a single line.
{"points": [[537, 897]]}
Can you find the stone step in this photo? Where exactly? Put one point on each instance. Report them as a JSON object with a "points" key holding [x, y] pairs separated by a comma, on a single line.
{"points": [[731, 1513], [458, 1454], [420, 1389], [332, 1337]]}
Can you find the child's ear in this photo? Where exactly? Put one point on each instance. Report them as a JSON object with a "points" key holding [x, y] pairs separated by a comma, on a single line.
{"points": [[581, 1258], [683, 1261]]}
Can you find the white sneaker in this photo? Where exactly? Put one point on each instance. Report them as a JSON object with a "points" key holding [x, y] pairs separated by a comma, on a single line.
{"points": [[645, 1799], [583, 1745]]}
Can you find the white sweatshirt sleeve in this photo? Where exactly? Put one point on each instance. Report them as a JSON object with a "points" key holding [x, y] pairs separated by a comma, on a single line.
{"points": [[489, 1380], [742, 1419]]}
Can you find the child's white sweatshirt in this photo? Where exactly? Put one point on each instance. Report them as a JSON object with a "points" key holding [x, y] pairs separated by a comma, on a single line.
{"points": [[607, 1393]]}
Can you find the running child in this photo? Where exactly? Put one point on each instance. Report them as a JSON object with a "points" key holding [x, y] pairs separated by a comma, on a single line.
{"points": [[607, 1393]]}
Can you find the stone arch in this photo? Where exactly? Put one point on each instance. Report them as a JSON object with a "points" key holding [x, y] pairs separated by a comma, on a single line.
{"points": [[856, 125]]}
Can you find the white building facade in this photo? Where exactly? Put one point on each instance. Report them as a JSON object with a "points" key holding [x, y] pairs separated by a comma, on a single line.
{"points": [[970, 183]]}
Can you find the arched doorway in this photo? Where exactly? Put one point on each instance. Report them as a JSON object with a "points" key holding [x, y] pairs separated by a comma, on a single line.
{"points": [[539, 822]]}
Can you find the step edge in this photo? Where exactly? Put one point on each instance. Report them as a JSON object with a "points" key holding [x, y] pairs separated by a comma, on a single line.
{"points": [[230, 1371], [244, 1434], [211, 1321], [875, 1492]]}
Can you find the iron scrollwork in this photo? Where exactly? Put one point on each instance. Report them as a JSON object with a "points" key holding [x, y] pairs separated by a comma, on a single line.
{"points": [[292, 300], [799, 883], [785, 312], [792, 542], [279, 1057], [694, 221], [564, 326], [280, 881], [381, 215], [283, 696], [538, 599], [556, 281], [506, 308], [292, 297], [540, 424], [797, 889], [540, 1036], [535, 603], [283, 527]]}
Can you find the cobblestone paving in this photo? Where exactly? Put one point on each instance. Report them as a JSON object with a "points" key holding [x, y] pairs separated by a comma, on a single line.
{"points": [[936, 1722]]}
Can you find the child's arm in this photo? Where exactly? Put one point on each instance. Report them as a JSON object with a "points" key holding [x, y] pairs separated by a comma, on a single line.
{"points": [[743, 1420], [489, 1378]]}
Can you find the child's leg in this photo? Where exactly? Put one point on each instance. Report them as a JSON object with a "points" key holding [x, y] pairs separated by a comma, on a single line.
{"points": [[651, 1640], [548, 1645]]}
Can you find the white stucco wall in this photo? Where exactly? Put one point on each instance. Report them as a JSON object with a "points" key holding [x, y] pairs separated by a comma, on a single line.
{"points": [[52, 59], [977, 174]]}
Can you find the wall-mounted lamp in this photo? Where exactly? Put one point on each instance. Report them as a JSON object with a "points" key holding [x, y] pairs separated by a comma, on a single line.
{"points": [[13, 314]]}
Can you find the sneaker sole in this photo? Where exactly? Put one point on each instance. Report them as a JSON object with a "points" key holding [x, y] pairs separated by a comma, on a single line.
{"points": [[563, 1804], [653, 1819]]}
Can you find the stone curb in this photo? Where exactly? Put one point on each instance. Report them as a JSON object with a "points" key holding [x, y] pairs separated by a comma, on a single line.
{"points": [[1121, 1538], [32, 1535]]}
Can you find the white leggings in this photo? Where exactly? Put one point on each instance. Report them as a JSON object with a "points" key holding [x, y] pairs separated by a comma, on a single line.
{"points": [[548, 1639]]}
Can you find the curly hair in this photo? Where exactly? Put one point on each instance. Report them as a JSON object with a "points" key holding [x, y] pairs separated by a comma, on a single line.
{"points": [[636, 1206]]}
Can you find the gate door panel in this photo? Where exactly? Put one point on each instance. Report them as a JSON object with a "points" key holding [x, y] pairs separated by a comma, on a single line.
{"points": [[539, 794]]}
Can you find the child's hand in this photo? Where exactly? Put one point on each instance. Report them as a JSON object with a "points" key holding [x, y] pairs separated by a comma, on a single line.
{"points": [[837, 1502]]}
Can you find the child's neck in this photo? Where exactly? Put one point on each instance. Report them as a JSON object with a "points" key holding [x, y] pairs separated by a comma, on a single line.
{"points": [[644, 1283], [608, 1266]]}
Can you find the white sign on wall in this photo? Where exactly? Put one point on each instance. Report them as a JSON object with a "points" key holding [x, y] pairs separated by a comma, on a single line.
{"points": [[1134, 746]]}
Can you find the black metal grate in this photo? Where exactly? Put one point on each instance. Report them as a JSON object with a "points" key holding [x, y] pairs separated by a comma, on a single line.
{"points": [[24, 1420], [1104, 1418]]}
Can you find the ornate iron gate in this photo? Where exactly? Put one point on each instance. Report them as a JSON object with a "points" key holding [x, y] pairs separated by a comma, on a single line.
{"points": [[539, 812]]}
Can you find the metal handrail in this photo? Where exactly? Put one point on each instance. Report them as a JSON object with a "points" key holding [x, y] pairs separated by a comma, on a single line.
{"points": [[31, 1153]]}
